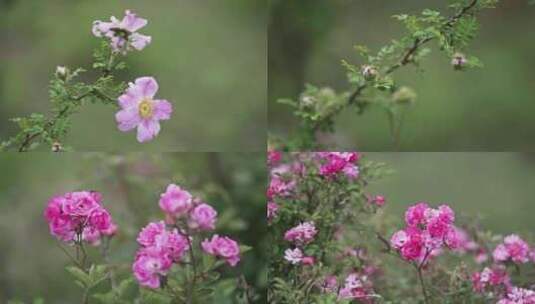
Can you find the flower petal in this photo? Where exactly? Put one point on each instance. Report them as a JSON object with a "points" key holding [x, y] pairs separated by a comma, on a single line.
{"points": [[147, 86], [127, 119], [131, 22], [147, 130], [139, 41], [162, 109], [129, 99]]}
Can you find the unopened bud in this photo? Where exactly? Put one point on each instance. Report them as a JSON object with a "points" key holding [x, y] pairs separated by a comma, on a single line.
{"points": [[458, 61], [369, 72], [404, 95], [56, 147], [62, 72]]}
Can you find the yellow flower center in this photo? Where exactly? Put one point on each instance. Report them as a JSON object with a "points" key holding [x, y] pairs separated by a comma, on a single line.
{"points": [[145, 108]]}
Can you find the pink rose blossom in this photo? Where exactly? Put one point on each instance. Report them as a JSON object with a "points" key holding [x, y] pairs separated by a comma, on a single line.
{"points": [[223, 247], [415, 215], [123, 33], [203, 217], [280, 187], [378, 200], [140, 110], [274, 157], [147, 236], [175, 201], [149, 266], [294, 256], [301, 234], [490, 278], [308, 260]]}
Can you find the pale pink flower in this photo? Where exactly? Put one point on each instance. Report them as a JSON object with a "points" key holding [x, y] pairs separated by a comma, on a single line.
{"points": [[294, 256], [176, 201], [123, 33], [223, 247], [399, 239], [140, 110], [202, 217]]}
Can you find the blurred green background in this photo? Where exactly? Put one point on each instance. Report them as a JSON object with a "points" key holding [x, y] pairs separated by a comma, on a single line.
{"points": [[488, 109], [497, 186], [33, 266], [208, 57]]}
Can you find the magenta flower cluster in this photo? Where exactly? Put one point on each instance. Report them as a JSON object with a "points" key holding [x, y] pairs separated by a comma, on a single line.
{"points": [[79, 216], [428, 231], [159, 249], [138, 107], [300, 236], [334, 163], [165, 243], [495, 279]]}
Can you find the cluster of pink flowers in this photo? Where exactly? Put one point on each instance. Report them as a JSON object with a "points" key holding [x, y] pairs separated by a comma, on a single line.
{"points": [[428, 231], [488, 279], [165, 243], [178, 203], [159, 249], [300, 236], [79, 216], [123, 33], [518, 296], [357, 286], [495, 280], [513, 248], [334, 163], [280, 186]]}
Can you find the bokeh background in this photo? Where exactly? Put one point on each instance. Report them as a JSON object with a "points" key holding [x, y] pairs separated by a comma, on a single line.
{"points": [[489, 109], [32, 265], [494, 188], [208, 56]]}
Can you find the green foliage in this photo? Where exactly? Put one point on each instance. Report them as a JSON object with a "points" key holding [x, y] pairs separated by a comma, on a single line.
{"points": [[67, 95], [372, 81]]}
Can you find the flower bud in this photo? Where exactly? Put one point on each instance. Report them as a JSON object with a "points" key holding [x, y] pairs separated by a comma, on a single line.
{"points": [[56, 147], [458, 61], [62, 72], [404, 95], [369, 72]]}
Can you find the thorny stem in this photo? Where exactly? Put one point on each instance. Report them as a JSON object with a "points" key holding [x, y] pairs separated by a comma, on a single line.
{"points": [[63, 113], [408, 55]]}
